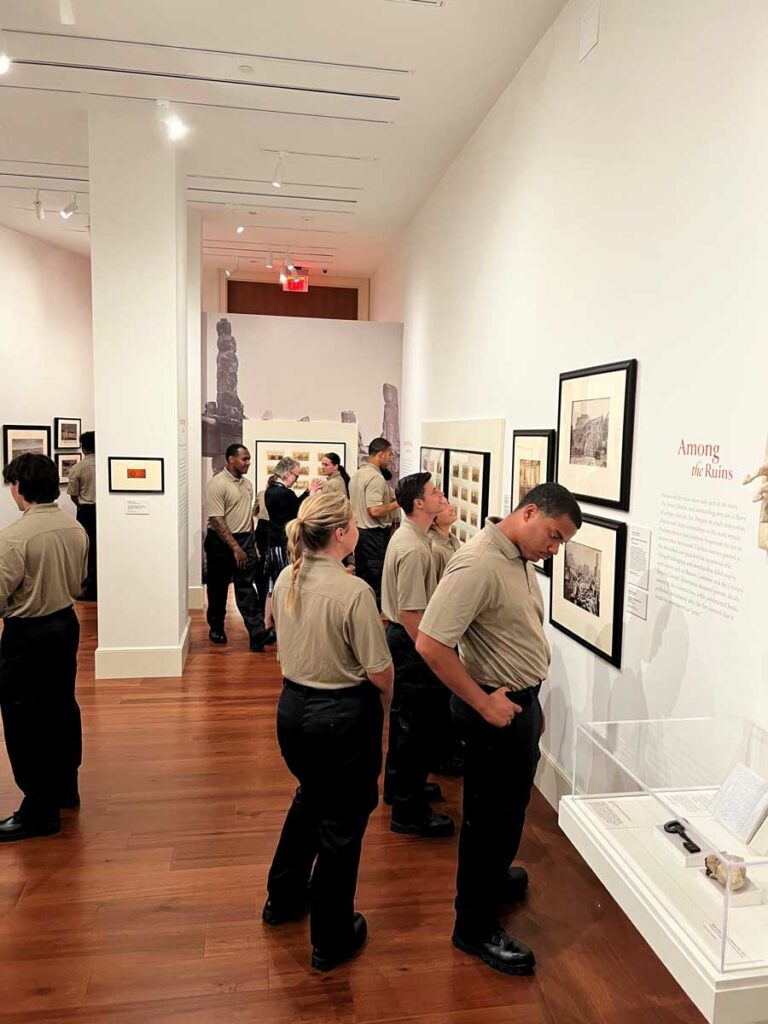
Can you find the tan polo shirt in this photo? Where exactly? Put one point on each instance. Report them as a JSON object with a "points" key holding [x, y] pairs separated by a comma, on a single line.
{"points": [[368, 488], [231, 498], [43, 563], [443, 549], [408, 579], [82, 480], [333, 636], [334, 482], [490, 603], [262, 507]]}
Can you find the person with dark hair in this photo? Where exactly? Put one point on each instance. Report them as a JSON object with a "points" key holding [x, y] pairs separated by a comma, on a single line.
{"points": [[490, 603], [336, 670], [408, 582], [81, 488], [336, 478], [373, 508], [230, 548], [43, 563]]}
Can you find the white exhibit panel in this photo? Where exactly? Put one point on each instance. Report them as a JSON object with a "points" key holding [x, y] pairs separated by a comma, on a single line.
{"points": [[271, 440], [662, 811]]}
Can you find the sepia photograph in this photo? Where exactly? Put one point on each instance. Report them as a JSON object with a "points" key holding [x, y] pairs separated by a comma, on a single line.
{"points": [[589, 432], [66, 432], [533, 463], [433, 461], [530, 475], [20, 440], [308, 454], [581, 580], [64, 463]]}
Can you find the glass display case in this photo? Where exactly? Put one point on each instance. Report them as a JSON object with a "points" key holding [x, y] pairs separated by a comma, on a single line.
{"points": [[672, 815]]}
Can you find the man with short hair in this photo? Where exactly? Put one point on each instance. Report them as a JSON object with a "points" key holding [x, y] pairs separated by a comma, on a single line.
{"points": [[373, 509], [490, 603], [81, 488], [409, 580], [43, 563], [230, 548]]}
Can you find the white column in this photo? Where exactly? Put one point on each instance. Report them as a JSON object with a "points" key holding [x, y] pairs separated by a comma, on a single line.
{"points": [[139, 269], [195, 405]]}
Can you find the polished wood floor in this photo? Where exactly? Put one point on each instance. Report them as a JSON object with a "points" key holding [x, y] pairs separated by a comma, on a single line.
{"points": [[147, 907]]}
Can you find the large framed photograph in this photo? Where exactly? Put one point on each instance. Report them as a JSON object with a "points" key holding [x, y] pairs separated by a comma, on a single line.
{"points": [[20, 440], [308, 454], [435, 461], [587, 592], [533, 463], [64, 463], [469, 475], [596, 419], [128, 475], [66, 432]]}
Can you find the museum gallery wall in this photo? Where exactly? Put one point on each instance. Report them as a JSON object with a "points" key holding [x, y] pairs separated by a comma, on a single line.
{"points": [[592, 231]]}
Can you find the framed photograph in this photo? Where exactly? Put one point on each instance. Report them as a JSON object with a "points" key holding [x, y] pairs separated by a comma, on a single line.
{"points": [[533, 462], [64, 463], [467, 488], [435, 461], [18, 440], [131, 475], [587, 592], [596, 419], [66, 432], [308, 454]]}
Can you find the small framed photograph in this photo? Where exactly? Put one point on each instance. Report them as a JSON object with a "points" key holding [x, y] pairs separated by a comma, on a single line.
{"points": [[587, 592], [130, 475], [64, 463], [66, 432], [596, 420], [20, 440], [533, 463], [435, 461]]}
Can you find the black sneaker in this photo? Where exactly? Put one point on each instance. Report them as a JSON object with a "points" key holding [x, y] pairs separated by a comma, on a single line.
{"points": [[499, 950], [434, 826], [325, 960], [216, 637]]}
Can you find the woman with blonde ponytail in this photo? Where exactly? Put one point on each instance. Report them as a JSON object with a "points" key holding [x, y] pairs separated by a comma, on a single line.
{"points": [[336, 667]]}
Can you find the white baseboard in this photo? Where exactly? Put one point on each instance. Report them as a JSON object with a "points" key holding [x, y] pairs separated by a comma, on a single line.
{"points": [[196, 598], [552, 780], [140, 662]]}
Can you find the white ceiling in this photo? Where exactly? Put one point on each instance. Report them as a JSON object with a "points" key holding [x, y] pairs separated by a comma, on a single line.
{"points": [[374, 97]]}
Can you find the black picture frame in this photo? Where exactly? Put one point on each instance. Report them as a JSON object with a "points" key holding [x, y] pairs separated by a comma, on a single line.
{"points": [[60, 456], [154, 461], [463, 526], [612, 489], [549, 438], [44, 430], [440, 479], [261, 460], [611, 633], [60, 445]]}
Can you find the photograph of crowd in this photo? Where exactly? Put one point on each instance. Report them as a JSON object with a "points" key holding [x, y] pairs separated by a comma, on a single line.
{"points": [[581, 578]]}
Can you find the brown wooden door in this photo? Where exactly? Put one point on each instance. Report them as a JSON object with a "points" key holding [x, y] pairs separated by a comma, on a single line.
{"points": [[270, 300]]}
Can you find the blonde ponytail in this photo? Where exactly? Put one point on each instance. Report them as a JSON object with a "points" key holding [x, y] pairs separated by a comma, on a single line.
{"points": [[312, 530]]}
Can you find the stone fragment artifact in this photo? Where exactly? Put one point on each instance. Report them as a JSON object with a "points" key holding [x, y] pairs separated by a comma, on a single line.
{"points": [[718, 870]]}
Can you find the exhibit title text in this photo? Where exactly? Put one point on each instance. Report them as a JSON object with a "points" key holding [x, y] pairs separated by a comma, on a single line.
{"points": [[709, 469]]}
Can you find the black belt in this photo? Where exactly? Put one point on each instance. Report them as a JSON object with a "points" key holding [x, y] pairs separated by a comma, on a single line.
{"points": [[22, 621], [358, 690], [524, 697]]}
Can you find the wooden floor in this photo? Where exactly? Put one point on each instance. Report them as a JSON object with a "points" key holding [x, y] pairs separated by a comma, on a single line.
{"points": [[147, 907]]}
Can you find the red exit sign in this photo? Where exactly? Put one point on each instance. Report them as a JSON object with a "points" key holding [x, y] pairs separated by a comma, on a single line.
{"points": [[297, 284]]}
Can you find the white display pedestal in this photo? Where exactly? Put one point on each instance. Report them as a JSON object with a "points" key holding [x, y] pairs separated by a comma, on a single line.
{"points": [[665, 903]]}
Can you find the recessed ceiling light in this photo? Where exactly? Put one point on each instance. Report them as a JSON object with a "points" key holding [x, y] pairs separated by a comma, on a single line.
{"points": [[245, 69], [5, 60]]}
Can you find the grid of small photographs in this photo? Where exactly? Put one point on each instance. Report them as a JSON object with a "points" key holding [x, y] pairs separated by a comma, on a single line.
{"points": [[308, 454], [467, 490], [434, 461]]}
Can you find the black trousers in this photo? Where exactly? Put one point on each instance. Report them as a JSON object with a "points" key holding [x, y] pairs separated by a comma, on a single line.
{"points": [[369, 558], [86, 516], [417, 727], [499, 768], [41, 717], [331, 742], [221, 571]]}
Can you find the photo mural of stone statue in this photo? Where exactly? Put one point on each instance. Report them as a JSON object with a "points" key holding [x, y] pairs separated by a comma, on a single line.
{"points": [[761, 495], [223, 419]]}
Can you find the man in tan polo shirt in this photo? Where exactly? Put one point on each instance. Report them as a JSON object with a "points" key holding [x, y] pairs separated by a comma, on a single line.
{"points": [[408, 581], [373, 509], [82, 490], [43, 562], [489, 603], [230, 549]]}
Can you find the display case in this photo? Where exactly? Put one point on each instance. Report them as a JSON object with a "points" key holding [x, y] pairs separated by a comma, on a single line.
{"points": [[653, 803]]}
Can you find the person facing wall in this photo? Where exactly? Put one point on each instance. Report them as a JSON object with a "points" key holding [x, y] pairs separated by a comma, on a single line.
{"points": [[82, 490]]}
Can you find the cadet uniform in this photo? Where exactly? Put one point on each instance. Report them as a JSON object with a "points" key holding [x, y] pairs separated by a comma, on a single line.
{"points": [[333, 483], [43, 563], [82, 485], [449, 749], [232, 498], [489, 602], [408, 582], [329, 726], [368, 488], [443, 549]]}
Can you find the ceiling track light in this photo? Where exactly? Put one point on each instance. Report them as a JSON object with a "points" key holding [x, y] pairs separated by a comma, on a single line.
{"points": [[37, 206], [174, 126], [71, 207], [277, 177], [67, 12], [5, 60]]}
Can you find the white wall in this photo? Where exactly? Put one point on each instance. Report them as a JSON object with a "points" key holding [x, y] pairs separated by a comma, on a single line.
{"points": [[604, 210], [46, 361]]}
